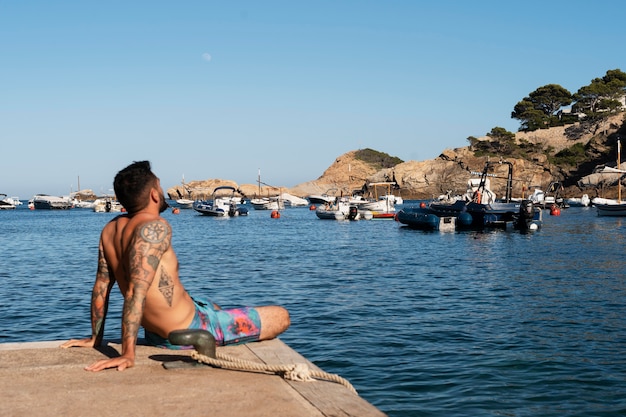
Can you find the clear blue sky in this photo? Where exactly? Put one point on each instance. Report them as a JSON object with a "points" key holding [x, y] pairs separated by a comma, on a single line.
{"points": [[219, 89]]}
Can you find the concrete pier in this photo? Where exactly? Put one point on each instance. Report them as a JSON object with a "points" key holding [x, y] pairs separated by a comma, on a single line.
{"points": [[41, 379]]}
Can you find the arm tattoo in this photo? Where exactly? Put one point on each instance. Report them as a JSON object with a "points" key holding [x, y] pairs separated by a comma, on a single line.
{"points": [[150, 242], [154, 232], [100, 298]]}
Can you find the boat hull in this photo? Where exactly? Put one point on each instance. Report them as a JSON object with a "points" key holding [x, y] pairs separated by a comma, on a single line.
{"points": [[611, 210], [495, 215], [420, 219], [53, 203]]}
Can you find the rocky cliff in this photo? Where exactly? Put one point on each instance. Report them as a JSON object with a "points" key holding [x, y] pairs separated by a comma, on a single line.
{"points": [[449, 172]]}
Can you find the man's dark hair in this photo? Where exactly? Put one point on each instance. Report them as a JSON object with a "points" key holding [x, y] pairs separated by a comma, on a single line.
{"points": [[132, 186]]}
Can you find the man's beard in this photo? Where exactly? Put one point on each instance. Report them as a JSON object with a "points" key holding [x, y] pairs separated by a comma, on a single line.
{"points": [[164, 206]]}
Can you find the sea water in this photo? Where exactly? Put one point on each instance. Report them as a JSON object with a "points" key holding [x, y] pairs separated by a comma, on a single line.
{"points": [[421, 323]]}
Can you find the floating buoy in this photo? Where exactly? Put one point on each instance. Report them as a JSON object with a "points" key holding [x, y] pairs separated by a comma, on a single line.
{"points": [[422, 205], [555, 210], [312, 207], [275, 214], [175, 210]]}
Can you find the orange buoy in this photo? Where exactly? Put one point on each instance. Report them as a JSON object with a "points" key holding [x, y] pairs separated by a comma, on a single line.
{"points": [[275, 214], [555, 210], [312, 207], [175, 210], [422, 205]]}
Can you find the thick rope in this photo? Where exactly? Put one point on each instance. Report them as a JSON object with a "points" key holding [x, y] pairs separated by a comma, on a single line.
{"points": [[294, 372]]}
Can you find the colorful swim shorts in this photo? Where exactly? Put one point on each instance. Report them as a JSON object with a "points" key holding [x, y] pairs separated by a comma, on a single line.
{"points": [[228, 326]]}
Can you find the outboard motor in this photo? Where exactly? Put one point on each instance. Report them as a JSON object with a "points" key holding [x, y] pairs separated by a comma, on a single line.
{"points": [[353, 212], [232, 210], [526, 214]]}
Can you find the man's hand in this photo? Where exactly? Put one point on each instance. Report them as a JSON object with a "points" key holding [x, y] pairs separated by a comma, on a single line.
{"points": [[87, 342], [120, 363]]}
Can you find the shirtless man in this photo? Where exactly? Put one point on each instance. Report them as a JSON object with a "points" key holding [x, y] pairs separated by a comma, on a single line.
{"points": [[135, 251]]}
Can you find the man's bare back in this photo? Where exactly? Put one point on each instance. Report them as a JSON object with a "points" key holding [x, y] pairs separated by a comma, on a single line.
{"points": [[125, 243], [135, 252]]}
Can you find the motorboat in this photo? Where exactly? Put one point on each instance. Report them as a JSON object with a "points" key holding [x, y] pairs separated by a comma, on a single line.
{"points": [[107, 205], [293, 201], [397, 200], [223, 204], [381, 208], [7, 203], [342, 210], [268, 203], [549, 198], [49, 202], [479, 207], [583, 201], [325, 198]]}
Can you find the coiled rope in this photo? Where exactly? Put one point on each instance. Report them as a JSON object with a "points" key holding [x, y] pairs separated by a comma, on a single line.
{"points": [[294, 372]]}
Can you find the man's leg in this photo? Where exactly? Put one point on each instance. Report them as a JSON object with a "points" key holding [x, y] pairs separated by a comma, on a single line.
{"points": [[274, 321]]}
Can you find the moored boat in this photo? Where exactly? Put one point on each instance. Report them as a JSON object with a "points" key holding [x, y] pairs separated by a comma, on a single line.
{"points": [[583, 201], [341, 210], [485, 210], [325, 198], [423, 219], [223, 204], [610, 207], [49, 202], [7, 203], [382, 205], [107, 205], [268, 203]]}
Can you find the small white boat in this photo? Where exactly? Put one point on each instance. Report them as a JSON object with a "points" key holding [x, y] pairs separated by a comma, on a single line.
{"points": [[610, 207], [397, 200], [107, 205], [381, 208], [224, 204], [7, 203], [184, 203], [293, 201], [341, 210], [583, 201], [268, 203]]}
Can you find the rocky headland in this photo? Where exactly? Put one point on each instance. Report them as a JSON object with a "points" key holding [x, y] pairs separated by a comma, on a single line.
{"points": [[449, 172]]}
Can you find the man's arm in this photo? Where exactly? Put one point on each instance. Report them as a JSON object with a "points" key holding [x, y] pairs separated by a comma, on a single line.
{"points": [[99, 305], [148, 244]]}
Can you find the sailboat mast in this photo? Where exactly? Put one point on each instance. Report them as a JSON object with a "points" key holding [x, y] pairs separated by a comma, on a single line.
{"points": [[619, 179]]}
